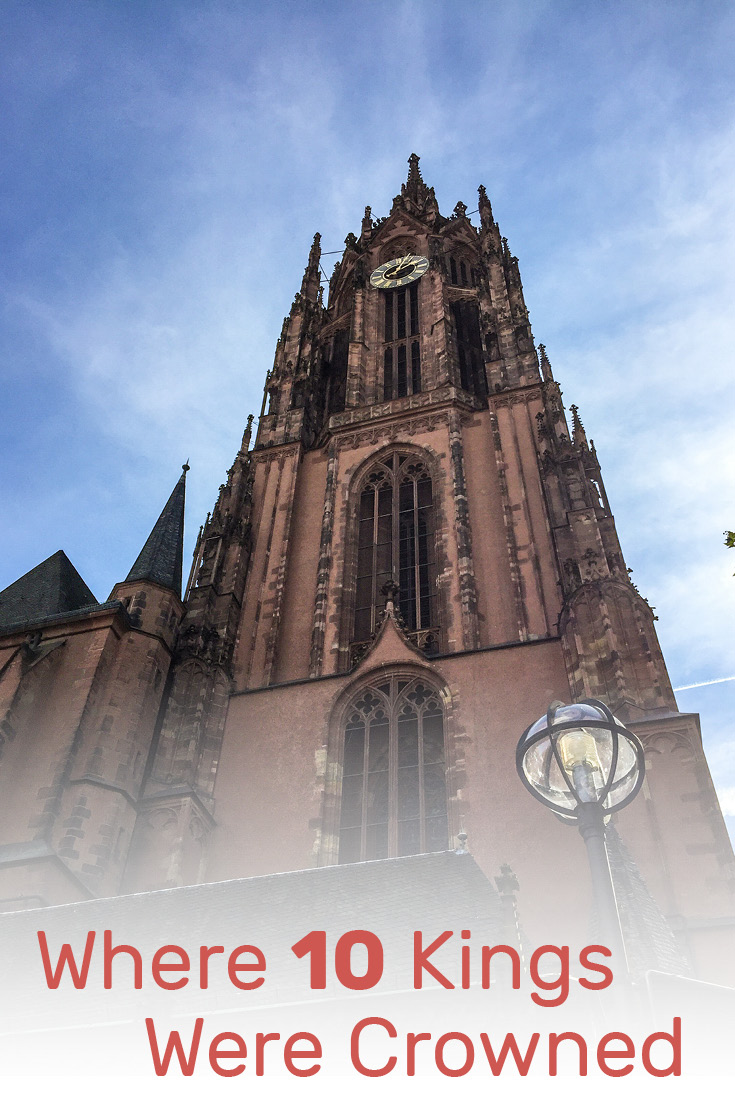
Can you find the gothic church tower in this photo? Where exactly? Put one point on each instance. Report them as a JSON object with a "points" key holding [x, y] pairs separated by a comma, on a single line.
{"points": [[412, 559]]}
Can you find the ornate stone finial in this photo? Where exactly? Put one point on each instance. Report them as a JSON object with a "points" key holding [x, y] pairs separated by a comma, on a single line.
{"points": [[389, 590], [310, 282], [414, 172], [414, 190], [460, 210], [578, 434], [486, 211], [185, 467], [367, 224], [245, 446], [545, 365], [316, 251]]}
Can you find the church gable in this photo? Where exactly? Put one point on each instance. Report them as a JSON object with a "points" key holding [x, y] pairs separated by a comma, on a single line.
{"points": [[392, 644]]}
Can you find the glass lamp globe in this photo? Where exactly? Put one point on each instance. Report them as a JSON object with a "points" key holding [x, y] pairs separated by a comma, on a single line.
{"points": [[580, 754]]}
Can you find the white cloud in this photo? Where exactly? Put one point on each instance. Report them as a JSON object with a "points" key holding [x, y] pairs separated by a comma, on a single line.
{"points": [[251, 130]]}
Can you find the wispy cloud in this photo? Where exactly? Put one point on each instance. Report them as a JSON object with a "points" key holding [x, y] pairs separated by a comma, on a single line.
{"points": [[164, 180]]}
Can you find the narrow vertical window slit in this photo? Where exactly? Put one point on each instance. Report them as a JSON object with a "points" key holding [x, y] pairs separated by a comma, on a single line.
{"points": [[415, 368], [388, 375]]}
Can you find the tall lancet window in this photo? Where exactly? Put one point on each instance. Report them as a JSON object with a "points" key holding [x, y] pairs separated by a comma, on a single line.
{"points": [[402, 351], [469, 347], [394, 798], [396, 543]]}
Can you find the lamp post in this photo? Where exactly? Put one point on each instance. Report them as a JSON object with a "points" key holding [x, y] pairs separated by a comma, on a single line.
{"points": [[583, 764]]}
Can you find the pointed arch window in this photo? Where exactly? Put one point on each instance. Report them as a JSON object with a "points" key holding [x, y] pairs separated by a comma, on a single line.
{"points": [[394, 799], [396, 543], [469, 347], [402, 352], [462, 273]]}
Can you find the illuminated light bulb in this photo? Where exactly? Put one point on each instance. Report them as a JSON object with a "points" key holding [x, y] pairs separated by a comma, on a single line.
{"points": [[578, 748]]}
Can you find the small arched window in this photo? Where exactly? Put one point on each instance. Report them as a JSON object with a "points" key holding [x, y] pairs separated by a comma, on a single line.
{"points": [[396, 543], [394, 799]]}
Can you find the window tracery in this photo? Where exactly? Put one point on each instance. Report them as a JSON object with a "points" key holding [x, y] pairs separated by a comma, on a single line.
{"points": [[402, 348], [396, 543], [394, 799], [462, 272]]}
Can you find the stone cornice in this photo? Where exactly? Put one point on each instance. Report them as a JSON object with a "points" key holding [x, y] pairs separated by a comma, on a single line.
{"points": [[441, 398]]}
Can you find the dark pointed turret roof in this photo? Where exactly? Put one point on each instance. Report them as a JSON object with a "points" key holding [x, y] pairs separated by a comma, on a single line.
{"points": [[161, 558], [53, 587]]}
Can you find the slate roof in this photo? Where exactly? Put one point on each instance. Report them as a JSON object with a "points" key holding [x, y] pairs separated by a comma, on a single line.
{"points": [[53, 587], [392, 898], [161, 558], [649, 939]]}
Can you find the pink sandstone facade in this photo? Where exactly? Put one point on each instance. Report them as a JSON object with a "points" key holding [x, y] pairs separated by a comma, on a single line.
{"points": [[416, 531]]}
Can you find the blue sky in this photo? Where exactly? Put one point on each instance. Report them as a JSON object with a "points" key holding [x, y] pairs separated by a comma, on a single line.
{"points": [[166, 165]]}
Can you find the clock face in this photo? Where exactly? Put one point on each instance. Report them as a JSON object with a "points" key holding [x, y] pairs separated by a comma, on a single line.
{"points": [[399, 272]]}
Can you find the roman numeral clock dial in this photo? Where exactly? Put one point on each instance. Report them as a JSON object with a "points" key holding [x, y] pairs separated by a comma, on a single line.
{"points": [[399, 272]]}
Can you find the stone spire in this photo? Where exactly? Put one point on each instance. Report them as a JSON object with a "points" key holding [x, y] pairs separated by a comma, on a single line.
{"points": [[545, 365], [415, 196], [311, 281], [162, 554], [486, 212], [578, 434], [246, 437], [367, 224], [415, 179]]}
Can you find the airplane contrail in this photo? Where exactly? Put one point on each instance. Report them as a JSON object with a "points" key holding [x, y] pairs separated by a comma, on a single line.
{"points": [[711, 682]]}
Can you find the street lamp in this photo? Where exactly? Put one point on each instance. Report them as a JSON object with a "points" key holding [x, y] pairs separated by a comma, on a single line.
{"points": [[581, 762]]}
